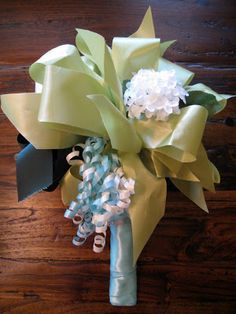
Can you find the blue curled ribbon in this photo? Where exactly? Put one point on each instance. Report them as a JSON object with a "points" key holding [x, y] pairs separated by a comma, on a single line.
{"points": [[102, 196]]}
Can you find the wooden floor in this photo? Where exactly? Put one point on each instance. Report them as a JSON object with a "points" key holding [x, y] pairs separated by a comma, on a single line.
{"points": [[189, 264]]}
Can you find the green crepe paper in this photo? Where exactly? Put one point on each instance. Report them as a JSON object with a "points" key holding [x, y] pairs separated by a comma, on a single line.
{"points": [[206, 97]]}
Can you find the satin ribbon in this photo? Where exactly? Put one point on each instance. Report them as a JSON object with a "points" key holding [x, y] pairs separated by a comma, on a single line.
{"points": [[37, 167], [123, 281]]}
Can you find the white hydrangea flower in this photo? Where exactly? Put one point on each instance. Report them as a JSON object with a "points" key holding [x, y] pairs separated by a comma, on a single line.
{"points": [[153, 94]]}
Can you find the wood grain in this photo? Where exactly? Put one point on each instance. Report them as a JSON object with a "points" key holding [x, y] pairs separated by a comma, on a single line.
{"points": [[189, 264]]}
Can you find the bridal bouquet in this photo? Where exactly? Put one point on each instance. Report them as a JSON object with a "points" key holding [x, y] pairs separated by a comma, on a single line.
{"points": [[110, 124]]}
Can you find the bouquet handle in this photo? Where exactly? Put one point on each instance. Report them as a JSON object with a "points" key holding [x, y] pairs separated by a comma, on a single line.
{"points": [[123, 279]]}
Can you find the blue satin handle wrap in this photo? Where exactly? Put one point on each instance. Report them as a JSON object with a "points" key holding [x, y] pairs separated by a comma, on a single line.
{"points": [[123, 280]]}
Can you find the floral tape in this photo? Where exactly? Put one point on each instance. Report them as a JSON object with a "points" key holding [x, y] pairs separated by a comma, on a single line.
{"points": [[103, 194]]}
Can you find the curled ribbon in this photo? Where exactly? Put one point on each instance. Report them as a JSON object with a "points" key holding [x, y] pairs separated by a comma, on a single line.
{"points": [[103, 194]]}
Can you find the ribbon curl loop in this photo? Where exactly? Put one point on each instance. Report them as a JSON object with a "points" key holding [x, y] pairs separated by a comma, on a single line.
{"points": [[102, 195]]}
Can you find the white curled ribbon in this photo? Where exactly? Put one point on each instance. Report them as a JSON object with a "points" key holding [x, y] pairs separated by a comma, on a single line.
{"points": [[103, 195]]}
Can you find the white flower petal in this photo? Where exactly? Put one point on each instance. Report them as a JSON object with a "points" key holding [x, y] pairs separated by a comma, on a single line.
{"points": [[154, 94]]}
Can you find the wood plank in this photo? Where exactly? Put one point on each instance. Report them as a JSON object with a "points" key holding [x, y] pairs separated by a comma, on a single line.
{"points": [[205, 33], [199, 244], [36, 229]]}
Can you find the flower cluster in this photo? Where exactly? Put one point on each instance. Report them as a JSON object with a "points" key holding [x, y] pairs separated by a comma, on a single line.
{"points": [[153, 94]]}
